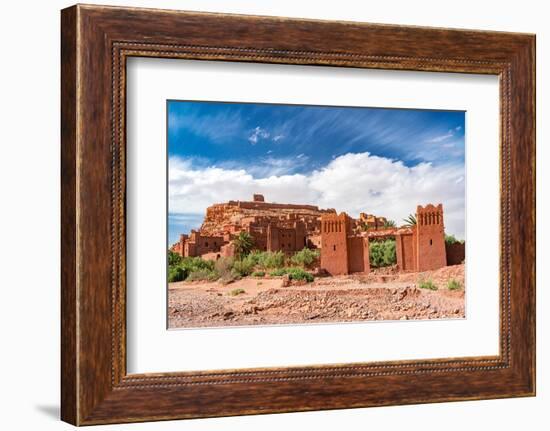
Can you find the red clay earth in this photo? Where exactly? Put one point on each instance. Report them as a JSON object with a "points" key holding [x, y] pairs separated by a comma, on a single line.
{"points": [[383, 294]]}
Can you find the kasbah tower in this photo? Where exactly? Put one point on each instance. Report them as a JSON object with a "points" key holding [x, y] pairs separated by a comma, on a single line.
{"points": [[343, 241]]}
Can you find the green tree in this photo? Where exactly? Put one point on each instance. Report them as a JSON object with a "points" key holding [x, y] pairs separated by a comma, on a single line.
{"points": [[243, 244], [450, 239], [410, 220], [382, 253], [389, 223]]}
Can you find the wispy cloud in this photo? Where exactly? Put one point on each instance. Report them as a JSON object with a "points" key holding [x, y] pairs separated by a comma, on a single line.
{"points": [[275, 166], [440, 138], [452, 133], [319, 132], [257, 134]]}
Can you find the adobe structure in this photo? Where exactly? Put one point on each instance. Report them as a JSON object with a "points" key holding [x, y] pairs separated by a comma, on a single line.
{"points": [[343, 241], [274, 227], [342, 251]]}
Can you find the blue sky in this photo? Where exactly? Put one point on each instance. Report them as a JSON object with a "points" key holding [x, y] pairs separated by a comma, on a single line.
{"points": [[296, 153]]}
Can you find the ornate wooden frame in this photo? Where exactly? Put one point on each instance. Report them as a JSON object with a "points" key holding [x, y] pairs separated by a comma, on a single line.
{"points": [[95, 42]]}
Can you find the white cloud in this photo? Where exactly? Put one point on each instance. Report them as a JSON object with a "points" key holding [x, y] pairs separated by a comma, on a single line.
{"points": [[354, 182], [277, 138], [257, 134], [441, 138], [450, 134]]}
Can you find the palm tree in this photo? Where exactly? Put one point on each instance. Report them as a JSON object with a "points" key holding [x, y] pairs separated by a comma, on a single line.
{"points": [[243, 244], [410, 220], [389, 223]]}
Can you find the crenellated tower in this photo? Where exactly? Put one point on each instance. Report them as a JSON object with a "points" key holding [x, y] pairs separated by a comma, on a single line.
{"points": [[334, 246], [429, 237]]}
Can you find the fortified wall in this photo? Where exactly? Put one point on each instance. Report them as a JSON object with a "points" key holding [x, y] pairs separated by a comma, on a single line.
{"points": [[418, 248]]}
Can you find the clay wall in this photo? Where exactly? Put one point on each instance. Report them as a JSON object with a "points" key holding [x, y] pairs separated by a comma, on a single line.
{"points": [[227, 250], [271, 205], [456, 253], [405, 252], [358, 254]]}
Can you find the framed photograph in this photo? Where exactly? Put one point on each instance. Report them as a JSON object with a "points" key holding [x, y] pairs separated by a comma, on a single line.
{"points": [[264, 215]]}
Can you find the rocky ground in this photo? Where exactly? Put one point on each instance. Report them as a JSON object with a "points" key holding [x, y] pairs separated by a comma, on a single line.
{"points": [[381, 295]]}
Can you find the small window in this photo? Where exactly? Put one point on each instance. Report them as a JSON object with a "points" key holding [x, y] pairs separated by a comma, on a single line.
{"points": [[215, 244], [206, 244], [430, 242], [333, 248]]}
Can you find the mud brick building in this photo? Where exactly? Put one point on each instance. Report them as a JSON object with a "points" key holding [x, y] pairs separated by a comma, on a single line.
{"points": [[342, 240], [342, 251], [273, 227], [197, 245], [371, 221]]}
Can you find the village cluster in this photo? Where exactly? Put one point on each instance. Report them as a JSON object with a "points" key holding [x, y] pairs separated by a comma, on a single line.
{"points": [[342, 241]]}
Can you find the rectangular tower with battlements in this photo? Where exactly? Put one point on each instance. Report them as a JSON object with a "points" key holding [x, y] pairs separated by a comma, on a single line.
{"points": [[430, 238]]}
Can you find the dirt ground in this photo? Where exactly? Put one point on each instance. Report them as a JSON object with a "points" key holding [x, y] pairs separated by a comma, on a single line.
{"points": [[380, 295]]}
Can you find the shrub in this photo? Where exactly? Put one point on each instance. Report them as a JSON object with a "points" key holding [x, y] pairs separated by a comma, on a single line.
{"points": [[255, 256], [269, 259], [223, 266], [299, 274], [305, 257], [174, 259], [278, 272], [177, 273], [229, 277], [454, 284], [196, 263], [258, 274], [243, 267], [427, 284], [293, 273], [182, 270], [203, 275], [382, 253], [236, 292]]}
